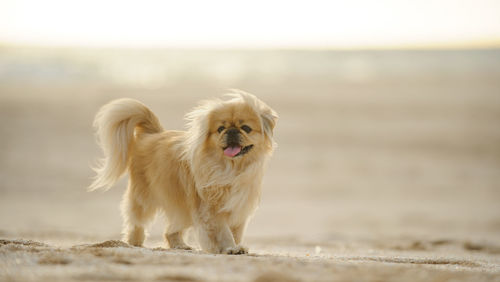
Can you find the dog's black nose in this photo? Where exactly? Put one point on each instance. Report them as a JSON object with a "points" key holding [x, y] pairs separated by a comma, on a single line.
{"points": [[233, 137]]}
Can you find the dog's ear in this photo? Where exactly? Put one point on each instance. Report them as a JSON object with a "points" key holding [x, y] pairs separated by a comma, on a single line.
{"points": [[269, 118]]}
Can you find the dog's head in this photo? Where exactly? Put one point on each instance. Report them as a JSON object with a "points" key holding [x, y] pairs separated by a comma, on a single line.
{"points": [[240, 128]]}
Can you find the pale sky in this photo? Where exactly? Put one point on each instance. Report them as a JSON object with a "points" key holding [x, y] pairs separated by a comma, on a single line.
{"points": [[252, 23]]}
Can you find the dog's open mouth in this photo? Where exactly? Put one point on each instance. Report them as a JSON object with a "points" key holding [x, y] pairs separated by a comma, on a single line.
{"points": [[237, 150]]}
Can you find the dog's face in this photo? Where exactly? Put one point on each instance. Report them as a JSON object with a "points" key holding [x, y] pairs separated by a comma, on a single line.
{"points": [[238, 130], [235, 131]]}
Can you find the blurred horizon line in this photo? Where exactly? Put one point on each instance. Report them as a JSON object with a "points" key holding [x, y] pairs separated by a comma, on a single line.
{"points": [[454, 46]]}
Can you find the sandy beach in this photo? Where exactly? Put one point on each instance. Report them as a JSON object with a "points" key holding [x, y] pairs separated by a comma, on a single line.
{"points": [[387, 166]]}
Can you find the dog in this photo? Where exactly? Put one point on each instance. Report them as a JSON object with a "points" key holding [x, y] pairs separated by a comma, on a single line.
{"points": [[207, 177]]}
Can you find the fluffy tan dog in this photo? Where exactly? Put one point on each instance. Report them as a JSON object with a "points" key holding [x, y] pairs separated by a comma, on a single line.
{"points": [[208, 177]]}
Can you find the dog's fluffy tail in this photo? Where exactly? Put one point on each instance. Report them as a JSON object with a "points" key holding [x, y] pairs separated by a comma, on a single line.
{"points": [[117, 123]]}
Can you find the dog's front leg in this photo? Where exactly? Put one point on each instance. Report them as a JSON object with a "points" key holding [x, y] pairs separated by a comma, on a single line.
{"points": [[214, 233]]}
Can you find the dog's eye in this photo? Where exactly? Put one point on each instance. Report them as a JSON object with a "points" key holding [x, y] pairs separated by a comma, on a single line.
{"points": [[220, 129], [246, 128]]}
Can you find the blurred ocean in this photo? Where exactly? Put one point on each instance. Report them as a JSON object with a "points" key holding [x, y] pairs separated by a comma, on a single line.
{"points": [[156, 68]]}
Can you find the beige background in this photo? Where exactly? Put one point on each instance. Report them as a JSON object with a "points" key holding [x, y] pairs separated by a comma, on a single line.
{"points": [[380, 152]]}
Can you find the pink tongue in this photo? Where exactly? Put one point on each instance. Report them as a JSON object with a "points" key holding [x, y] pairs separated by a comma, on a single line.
{"points": [[232, 151]]}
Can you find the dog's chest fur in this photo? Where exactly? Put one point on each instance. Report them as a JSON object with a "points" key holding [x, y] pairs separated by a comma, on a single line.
{"points": [[236, 192]]}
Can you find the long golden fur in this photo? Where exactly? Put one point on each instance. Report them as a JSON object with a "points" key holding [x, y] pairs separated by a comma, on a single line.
{"points": [[208, 177]]}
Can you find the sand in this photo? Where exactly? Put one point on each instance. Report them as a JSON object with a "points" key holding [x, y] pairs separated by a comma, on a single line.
{"points": [[26, 260], [387, 167]]}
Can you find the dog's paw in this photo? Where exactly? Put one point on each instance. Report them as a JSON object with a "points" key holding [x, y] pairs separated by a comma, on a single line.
{"points": [[182, 247], [237, 250]]}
